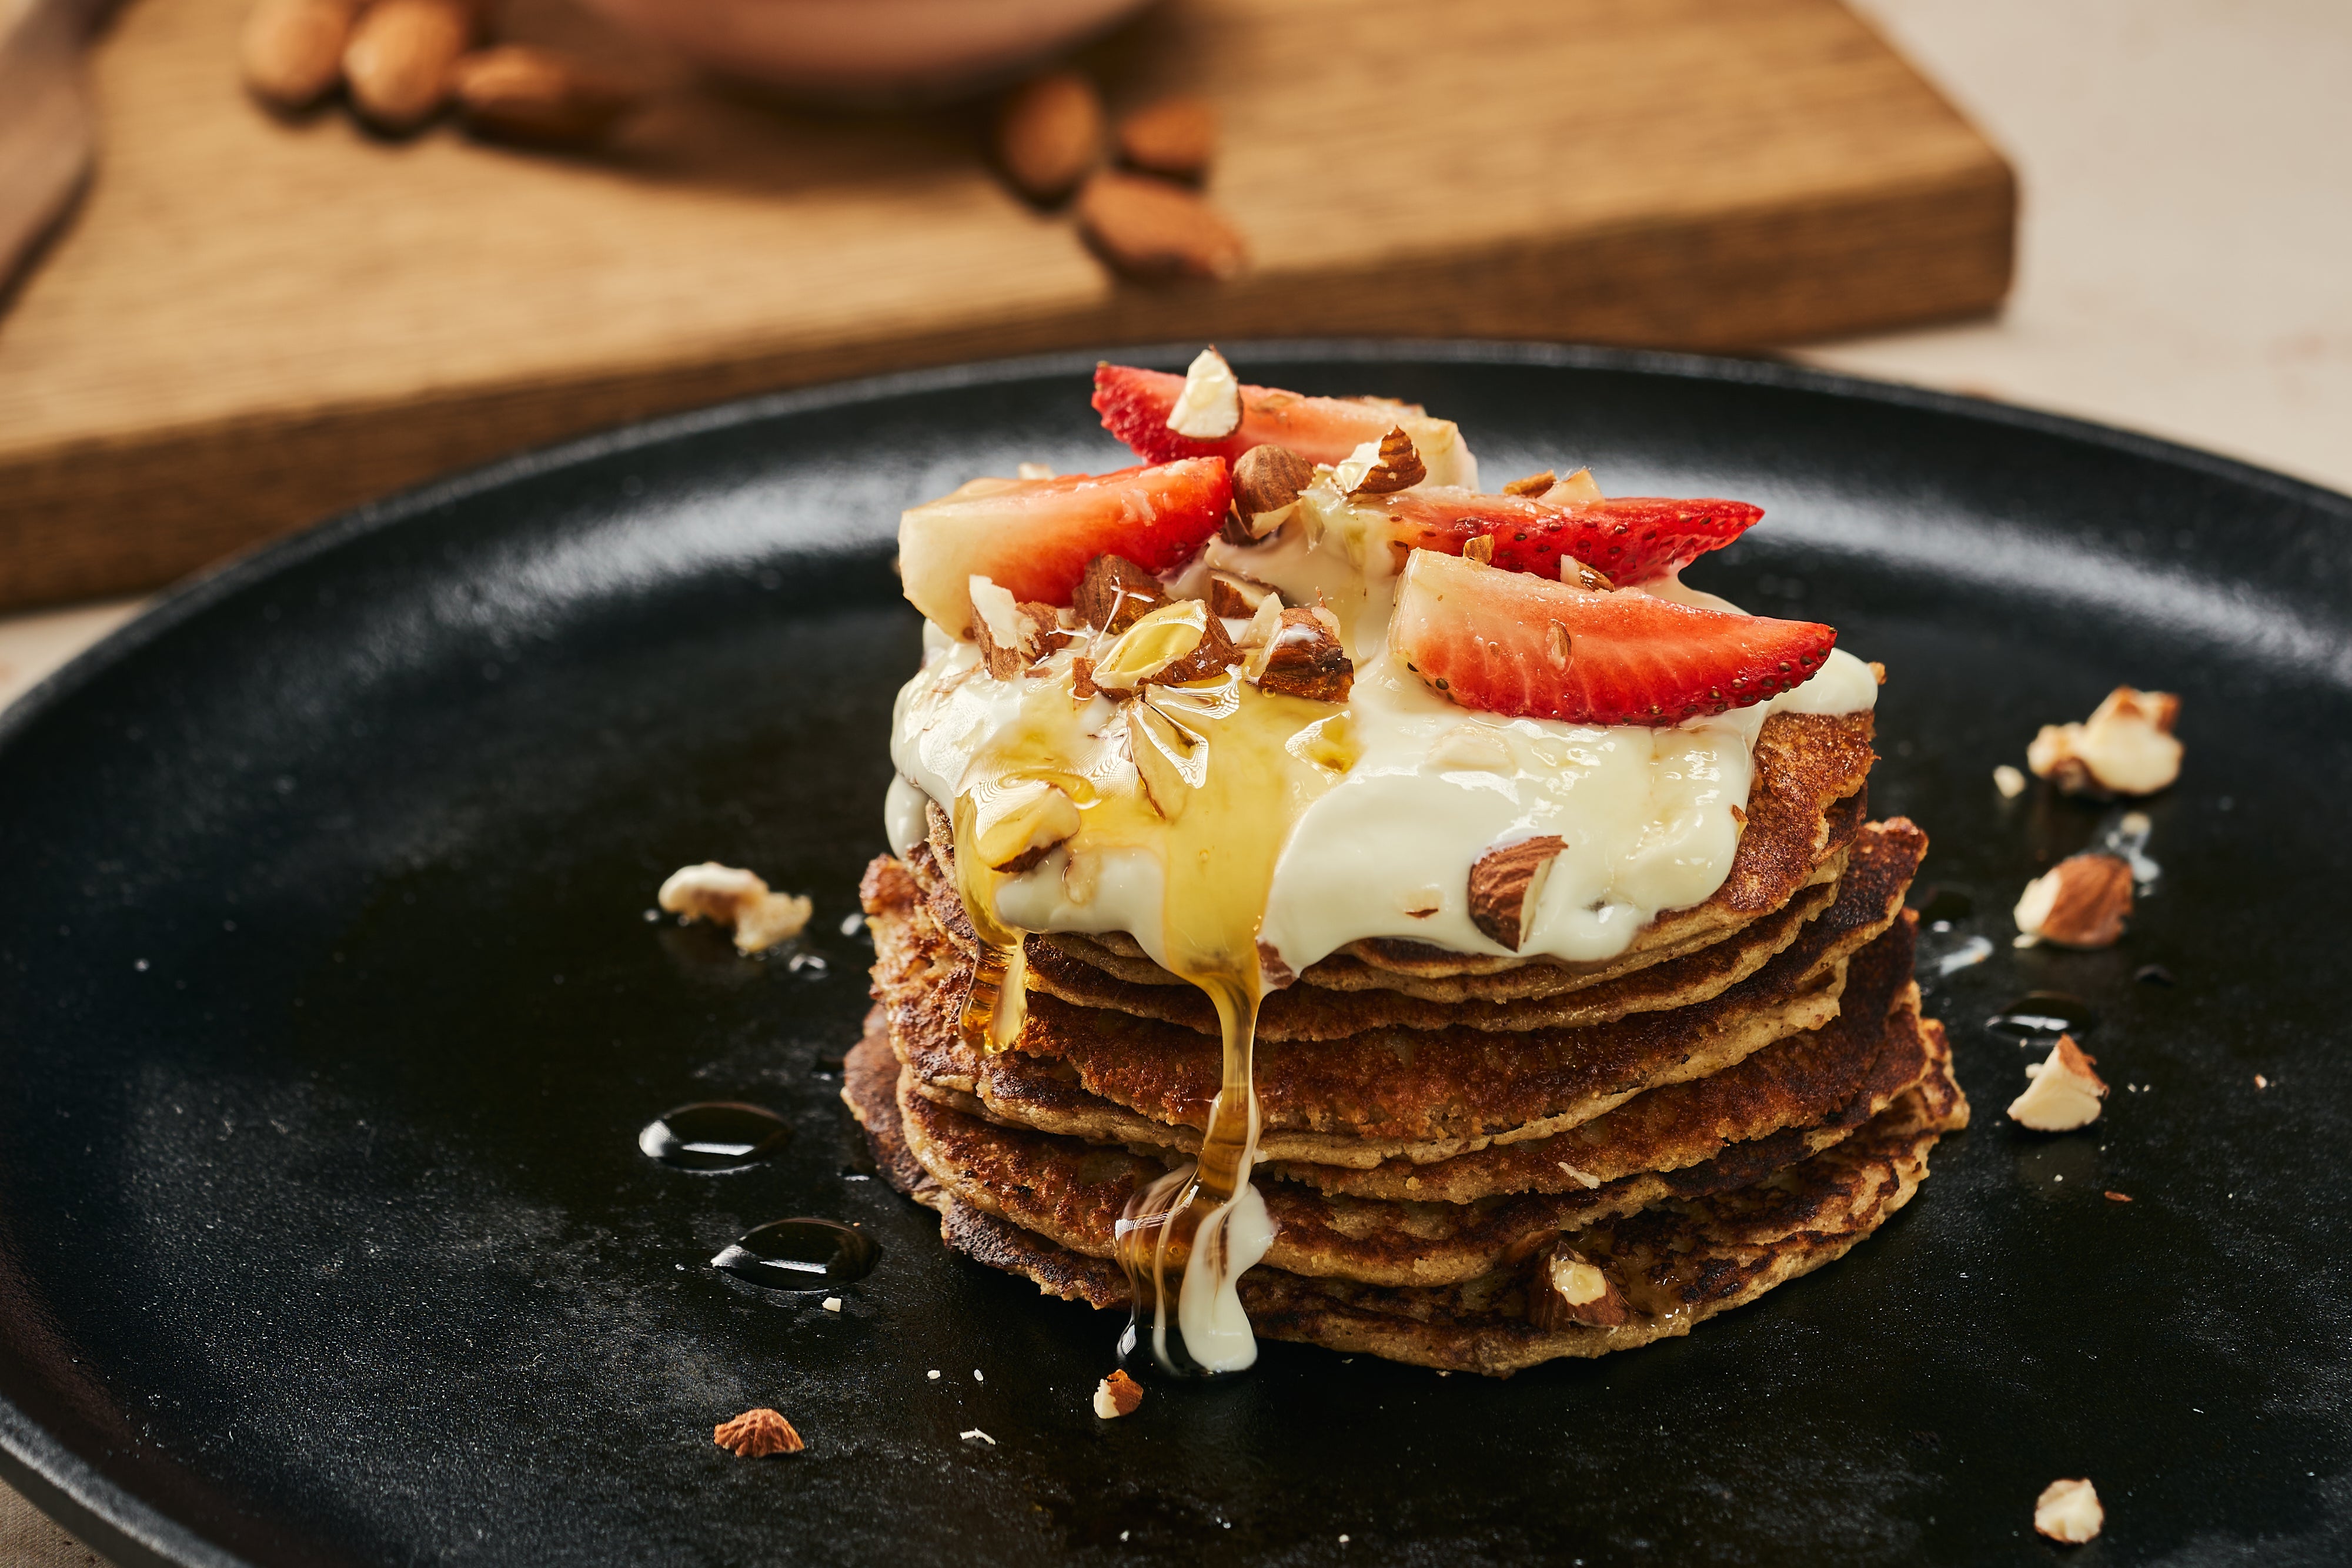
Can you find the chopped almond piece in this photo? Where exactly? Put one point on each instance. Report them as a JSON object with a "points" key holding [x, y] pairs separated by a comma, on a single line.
{"points": [[2065, 1092], [729, 896], [1304, 658], [1533, 484], [1577, 490], [1210, 406], [1266, 483], [1506, 883], [1114, 593], [1213, 651], [2081, 901], [756, 1434], [1118, 1395], [1174, 643], [2069, 1512], [1569, 1289], [2125, 748], [1398, 466], [1236, 598], [1052, 635], [1018, 825], [1008, 634]]}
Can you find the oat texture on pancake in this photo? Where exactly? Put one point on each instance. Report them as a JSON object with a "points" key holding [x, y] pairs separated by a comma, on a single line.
{"points": [[1331, 901]]}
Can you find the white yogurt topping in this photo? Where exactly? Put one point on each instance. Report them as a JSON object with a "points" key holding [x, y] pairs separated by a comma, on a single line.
{"points": [[1645, 813]]}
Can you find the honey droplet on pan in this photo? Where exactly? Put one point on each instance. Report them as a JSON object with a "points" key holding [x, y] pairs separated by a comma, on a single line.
{"points": [[714, 1135]]}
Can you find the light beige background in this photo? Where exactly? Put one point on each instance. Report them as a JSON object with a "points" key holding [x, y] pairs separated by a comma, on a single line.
{"points": [[2187, 167]]}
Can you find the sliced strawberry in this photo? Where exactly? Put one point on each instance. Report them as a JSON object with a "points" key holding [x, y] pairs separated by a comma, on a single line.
{"points": [[1135, 404], [1630, 539], [1034, 536], [1512, 642]]}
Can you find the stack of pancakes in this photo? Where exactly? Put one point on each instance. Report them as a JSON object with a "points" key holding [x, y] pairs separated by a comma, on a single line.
{"points": [[1739, 1097]]}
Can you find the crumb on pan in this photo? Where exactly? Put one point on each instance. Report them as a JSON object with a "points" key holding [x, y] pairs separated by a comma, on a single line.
{"points": [[2065, 1092], [1118, 1395], [738, 899], [2069, 1512], [756, 1434], [2125, 748]]}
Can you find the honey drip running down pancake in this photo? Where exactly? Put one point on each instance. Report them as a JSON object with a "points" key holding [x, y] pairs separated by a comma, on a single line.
{"points": [[1220, 778], [1330, 902]]}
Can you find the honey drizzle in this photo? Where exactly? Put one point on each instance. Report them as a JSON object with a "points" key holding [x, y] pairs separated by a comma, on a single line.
{"points": [[997, 1003], [1217, 817]]}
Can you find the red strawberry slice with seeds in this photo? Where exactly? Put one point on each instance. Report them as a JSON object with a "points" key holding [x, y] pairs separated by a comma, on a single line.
{"points": [[1135, 404], [1630, 539], [1034, 536], [1512, 642]]}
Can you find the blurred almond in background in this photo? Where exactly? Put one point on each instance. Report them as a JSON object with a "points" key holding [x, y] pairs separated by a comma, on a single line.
{"points": [[46, 131]]}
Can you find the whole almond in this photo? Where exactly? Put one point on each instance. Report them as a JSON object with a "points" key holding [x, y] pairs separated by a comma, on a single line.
{"points": [[1147, 227], [402, 57], [518, 93], [1049, 134], [292, 50], [1176, 136]]}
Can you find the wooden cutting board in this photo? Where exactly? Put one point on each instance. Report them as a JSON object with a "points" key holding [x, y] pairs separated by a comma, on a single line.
{"points": [[251, 324]]}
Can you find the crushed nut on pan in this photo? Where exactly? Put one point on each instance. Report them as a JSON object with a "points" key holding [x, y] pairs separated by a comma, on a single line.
{"points": [[1117, 1395], [2069, 1512], [2065, 1092], [2081, 901], [756, 1434], [738, 899], [2125, 748]]}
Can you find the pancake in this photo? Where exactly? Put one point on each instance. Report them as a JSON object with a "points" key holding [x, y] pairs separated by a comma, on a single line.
{"points": [[1421, 1095], [1791, 1083], [1073, 1192], [1678, 1262], [1415, 1094], [1805, 804], [1313, 1012]]}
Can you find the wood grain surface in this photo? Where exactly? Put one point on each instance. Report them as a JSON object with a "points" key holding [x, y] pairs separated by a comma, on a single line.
{"points": [[253, 323]]}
